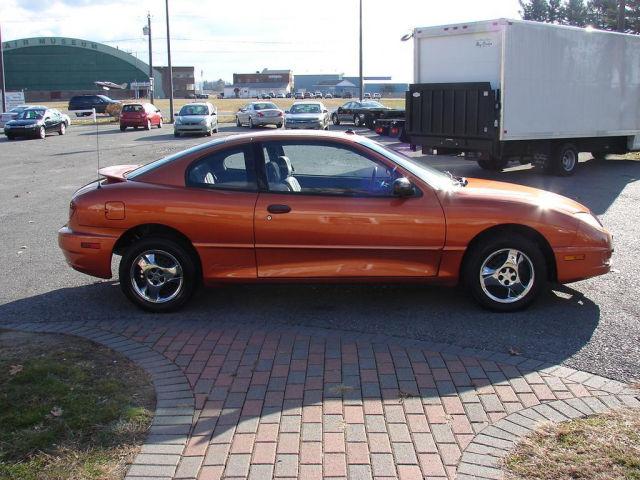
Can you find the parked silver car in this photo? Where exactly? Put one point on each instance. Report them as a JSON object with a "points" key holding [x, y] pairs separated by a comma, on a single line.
{"points": [[260, 113], [312, 115], [196, 118]]}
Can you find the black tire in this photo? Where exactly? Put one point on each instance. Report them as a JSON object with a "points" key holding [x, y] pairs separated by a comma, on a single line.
{"points": [[279, 125], [599, 156], [564, 161], [238, 122], [10, 137], [122, 128], [160, 124], [176, 134], [334, 119], [532, 269], [251, 125], [215, 130], [492, 164], [135, 128], [357, 121], [164, 245]]}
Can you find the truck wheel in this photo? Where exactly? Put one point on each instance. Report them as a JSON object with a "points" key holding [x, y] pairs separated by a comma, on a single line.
{"points": [[564, 162], [493, 164], [335, 119], [599, 156]]}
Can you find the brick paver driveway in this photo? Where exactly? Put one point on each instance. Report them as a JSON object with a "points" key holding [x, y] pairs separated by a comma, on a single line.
{"points": [[240, 401]]}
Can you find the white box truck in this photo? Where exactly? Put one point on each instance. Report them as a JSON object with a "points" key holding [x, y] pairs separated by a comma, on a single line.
{"points": [[504, 90]]}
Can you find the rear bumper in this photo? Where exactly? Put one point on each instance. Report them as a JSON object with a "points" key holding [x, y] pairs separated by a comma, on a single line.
{"points": [[87, 253], [134, 123], [268, 120]]}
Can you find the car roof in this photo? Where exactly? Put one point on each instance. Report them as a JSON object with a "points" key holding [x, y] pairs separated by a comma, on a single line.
{"points": [[307, 102], [37, 107]]}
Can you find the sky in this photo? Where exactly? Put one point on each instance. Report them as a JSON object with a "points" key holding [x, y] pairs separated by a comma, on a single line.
{"points": [[222, 38]]}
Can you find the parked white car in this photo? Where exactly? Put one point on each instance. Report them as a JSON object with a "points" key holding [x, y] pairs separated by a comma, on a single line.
{"points": [[199, 118], [313, 115]]}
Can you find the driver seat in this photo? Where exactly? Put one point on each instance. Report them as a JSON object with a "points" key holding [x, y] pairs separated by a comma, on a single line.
{"points": [[286, 174]]}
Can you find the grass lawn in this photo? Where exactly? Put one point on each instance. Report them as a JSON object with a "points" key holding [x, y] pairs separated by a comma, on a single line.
{"points": [[601, 447], [69, 409]]}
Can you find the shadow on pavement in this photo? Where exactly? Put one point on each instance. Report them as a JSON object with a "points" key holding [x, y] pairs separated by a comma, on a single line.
{"points": [[553, 329]]}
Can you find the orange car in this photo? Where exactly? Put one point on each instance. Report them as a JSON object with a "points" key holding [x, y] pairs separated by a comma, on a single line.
{"points": [[331, 207]]}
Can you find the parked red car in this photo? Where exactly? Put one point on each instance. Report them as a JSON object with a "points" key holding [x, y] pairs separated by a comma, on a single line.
{"points": [[137, 115]]}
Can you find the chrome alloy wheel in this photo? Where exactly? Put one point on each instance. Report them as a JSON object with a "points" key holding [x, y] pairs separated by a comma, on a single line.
{"points": [[156, 276], [507, 275]]}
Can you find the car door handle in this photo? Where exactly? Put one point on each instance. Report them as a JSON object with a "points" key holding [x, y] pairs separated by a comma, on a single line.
{"points": [[278, 208]]}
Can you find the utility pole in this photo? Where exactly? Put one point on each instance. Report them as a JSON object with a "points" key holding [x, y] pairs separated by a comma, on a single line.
{"points": [[148, 32], [2, 86], [169, 65], [622, 7], [361, 77]]}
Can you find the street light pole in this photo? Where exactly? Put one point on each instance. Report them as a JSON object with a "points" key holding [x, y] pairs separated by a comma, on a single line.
{"points": [[150, 58], [361, 77], [169, 65], [3, 104]]}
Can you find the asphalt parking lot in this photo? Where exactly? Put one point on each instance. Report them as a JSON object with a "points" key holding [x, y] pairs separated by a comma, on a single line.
{"points": [[592, 325]]}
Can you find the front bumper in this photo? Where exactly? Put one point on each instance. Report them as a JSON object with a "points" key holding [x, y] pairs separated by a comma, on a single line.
{"points": [[303, 125], [192, 128], [22, 132], [87, 253]]}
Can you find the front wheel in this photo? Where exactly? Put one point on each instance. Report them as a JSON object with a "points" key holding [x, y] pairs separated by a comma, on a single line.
{"points": [[63, 129], [148, 125], [160, 123], [357, 121], [158, 274], [238, 122], [251, 123], [123, 128], [42, 133], [505, 273]]}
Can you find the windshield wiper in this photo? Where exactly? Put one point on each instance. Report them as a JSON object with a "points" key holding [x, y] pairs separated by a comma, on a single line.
{"points": [[462, 181]]}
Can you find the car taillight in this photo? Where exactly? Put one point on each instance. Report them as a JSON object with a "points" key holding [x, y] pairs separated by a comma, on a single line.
{"points": [[379, 130], [395, 131], [279, 114], [260, 114]]}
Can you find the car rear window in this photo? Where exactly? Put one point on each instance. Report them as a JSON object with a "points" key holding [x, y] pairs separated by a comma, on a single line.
{"points": [[133, 108], [264, 106]]}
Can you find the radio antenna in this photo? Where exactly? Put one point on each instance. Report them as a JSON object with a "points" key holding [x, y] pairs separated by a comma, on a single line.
{"points": [[95, 120]]}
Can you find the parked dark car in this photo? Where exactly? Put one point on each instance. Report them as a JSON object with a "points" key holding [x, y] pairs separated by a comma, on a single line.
{"points": [[87, 102], [347, 95], [36, 122], [362, 113]]}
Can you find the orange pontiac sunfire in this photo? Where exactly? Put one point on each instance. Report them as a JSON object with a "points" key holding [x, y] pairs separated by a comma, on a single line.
{"points": [[323, 207]]}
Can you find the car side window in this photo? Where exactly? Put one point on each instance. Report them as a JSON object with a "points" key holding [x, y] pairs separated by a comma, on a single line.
{"points": [[231, 169], [325, 168]]}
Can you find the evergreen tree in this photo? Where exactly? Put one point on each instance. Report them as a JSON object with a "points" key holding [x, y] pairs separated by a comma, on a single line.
{"points": [[603, 14], [554, 11], [537, 10], [575, 13]]}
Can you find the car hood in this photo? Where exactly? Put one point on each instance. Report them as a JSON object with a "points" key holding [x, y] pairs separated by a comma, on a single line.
{"points": [[22, 123], [489, 190], [304, 116]]}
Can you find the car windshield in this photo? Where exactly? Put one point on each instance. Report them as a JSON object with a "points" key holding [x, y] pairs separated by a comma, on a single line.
{"points": [[193, 110], [305, 108], [430, 175], [31, 114], [132, 108], [372, 104], [264, 106], [105, 98]]}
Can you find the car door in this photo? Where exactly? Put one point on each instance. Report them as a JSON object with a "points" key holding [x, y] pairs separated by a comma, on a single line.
{"points": [[328, 212], [344, 112], [49, 120]]}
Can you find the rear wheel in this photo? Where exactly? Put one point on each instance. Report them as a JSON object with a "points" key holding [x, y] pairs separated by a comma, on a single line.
{"points": [[123, 128], [158, 274], [160, 123], [238, 122], [564, 161], [334, 119], [506, 273], [251, 123], [148, 125]]}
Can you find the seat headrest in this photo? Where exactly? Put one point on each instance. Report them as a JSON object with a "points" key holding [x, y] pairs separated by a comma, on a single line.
{"points": [[286, 169]]}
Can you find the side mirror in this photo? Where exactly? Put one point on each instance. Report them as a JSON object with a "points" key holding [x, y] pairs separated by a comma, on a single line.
{"points": [[325, 111], [175, 114], [287, 111], [213, 114], [402, 187]]}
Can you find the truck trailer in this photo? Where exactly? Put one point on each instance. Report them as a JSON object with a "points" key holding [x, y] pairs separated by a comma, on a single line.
{"points": [[503, 90]]}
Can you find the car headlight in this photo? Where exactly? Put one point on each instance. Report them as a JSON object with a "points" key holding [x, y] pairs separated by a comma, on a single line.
{"points": [[589, 219], [178, 121]]}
